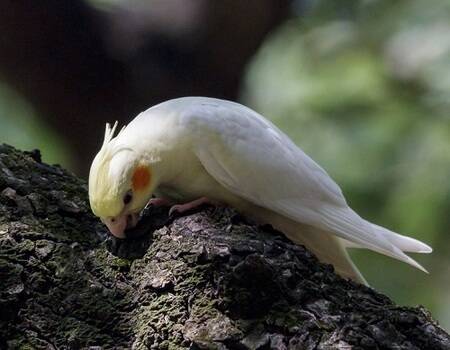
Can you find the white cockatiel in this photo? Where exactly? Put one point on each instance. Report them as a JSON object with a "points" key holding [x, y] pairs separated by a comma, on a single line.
{"points": [[190, 148]]}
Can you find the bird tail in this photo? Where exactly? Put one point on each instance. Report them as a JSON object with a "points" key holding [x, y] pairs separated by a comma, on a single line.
{"points": [[348, 225], [404, 244], [330, 241]]}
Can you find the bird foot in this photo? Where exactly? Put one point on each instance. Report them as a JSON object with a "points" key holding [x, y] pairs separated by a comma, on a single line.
{"points": [[182, 208]]}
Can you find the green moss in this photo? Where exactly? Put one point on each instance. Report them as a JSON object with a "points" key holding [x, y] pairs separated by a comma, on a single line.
{"points": [[105, 259]]}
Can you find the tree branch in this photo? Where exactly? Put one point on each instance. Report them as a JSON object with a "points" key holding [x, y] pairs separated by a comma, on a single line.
{"points": [[210, 280]]}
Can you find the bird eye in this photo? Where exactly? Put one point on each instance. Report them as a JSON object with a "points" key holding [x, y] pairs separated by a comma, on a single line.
{"points": [[128, 197]]}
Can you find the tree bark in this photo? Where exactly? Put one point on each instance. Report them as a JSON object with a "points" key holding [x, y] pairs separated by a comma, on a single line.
{"points": [[209, 280]]}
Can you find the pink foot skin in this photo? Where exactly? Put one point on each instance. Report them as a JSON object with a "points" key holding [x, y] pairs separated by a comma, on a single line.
{"points": [[182, 208]]}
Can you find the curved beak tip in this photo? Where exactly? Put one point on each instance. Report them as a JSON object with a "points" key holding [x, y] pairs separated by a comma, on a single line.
{"points": [[118, 225]]}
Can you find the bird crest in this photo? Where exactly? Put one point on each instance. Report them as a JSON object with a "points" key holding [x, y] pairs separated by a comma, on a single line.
{"points": [[107, 150], [102, 186]]}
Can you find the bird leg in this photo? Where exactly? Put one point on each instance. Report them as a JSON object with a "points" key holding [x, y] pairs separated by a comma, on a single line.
{"points": [[182, 208]]}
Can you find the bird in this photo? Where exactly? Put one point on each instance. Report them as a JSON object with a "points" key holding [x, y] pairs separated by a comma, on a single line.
{"points": [[191, 150]]}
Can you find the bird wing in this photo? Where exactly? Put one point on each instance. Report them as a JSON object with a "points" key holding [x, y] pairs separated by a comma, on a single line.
{"points": [[253, 159]]}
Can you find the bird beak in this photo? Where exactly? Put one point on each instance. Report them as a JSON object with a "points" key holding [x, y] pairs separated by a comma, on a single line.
{"points": [[117, 225]]}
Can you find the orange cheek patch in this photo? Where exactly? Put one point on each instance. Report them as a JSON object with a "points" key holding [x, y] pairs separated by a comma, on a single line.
{"points": [[141, 178]]}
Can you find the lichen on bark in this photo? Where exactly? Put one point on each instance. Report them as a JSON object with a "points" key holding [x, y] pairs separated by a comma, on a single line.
{"points": [[209, 280]]}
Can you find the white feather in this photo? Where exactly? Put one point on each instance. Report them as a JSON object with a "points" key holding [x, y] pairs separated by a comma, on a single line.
{"points": [[223, 150], [253, 159]]}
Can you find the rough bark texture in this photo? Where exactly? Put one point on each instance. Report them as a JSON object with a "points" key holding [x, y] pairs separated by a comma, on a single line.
{"points": [[210, 280]]}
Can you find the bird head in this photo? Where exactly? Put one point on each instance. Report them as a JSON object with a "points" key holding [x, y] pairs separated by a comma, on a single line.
{"points": [[120, 183]]}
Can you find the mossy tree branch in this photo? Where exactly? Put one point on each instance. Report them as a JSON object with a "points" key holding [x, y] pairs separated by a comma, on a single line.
{"points": [[210, 280]]}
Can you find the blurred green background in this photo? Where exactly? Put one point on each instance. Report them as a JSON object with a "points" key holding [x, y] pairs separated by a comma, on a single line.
{"points": [[362, 86], [365, 91]]}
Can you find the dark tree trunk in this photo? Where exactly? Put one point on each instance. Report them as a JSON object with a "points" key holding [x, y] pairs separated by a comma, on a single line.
{"points": [[210, 280]]}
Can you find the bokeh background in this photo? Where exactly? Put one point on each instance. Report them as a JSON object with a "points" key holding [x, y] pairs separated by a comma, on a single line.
{"points": [[362, 86]]}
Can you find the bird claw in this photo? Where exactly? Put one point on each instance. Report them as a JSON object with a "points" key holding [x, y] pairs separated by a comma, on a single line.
{"points": [[155, 203], [159, 202]]}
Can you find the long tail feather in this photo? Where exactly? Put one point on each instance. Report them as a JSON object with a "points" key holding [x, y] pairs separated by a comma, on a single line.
{"points": [[404, 243], [345, 223]]}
